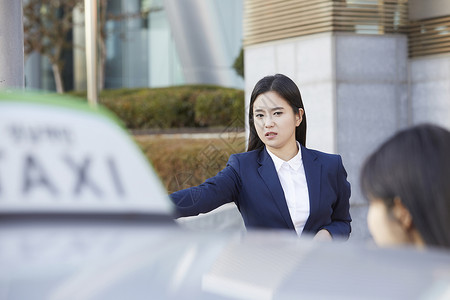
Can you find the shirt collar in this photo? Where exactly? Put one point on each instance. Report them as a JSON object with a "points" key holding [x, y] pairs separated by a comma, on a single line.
{"points": [[295, 162]]}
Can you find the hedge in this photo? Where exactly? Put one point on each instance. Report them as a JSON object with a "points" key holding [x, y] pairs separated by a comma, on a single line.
{"points": [[175, 107], [181, 163]]}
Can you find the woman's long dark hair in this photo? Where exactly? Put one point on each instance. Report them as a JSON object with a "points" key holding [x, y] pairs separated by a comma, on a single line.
{"points": [[289, 91], [414, 165]]}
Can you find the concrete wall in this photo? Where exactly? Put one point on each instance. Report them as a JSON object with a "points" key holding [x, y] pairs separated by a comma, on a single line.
{"points": [[371, 103], [430, 89]]}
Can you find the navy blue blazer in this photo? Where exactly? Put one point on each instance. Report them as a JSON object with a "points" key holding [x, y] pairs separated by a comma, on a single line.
{"points": [[251, 181]]}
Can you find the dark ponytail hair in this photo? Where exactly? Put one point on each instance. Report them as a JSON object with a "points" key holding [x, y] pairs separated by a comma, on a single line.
{"points": [[289, 91]]}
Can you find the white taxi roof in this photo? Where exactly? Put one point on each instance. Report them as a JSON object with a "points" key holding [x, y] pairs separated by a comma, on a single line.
{"points": [[57, 154]]}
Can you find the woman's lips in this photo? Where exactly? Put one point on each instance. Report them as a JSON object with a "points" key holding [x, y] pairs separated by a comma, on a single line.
{"points": [[270, 135]]}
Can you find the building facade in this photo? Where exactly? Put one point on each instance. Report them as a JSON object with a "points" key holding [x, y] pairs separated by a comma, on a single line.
{"points": [[154, 44]]}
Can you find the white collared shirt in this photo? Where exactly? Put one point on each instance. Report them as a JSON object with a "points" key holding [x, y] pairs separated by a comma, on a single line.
{"points": [[293, 181]]}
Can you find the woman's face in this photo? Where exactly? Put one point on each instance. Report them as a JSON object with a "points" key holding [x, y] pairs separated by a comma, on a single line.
{"points": [[385, 231], [275, 121], [391, 226]]}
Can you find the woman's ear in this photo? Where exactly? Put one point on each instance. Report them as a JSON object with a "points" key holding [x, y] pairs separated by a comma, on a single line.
{"points": [[299, 116], [405, 221], [402, 214]]}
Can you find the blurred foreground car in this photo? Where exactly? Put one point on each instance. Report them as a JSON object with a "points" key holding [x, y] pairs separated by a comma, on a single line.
{"points": [[84, 216]]}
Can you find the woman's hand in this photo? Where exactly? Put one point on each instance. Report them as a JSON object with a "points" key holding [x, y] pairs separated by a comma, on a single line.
{"points": [[323, 235]]}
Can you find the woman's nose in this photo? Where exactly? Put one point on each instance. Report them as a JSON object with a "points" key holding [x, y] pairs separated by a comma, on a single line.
{"points": [[268, 123]]}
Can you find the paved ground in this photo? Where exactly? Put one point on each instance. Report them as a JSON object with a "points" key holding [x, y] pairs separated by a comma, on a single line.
{"points": [[189, 133]]}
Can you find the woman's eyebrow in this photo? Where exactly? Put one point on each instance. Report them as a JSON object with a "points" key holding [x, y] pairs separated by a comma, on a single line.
{"points": [[277, 108], [271, 109]]}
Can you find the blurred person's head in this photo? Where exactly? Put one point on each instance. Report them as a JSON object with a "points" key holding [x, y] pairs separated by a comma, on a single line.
{"points": [[407, 181], [276, 87]]}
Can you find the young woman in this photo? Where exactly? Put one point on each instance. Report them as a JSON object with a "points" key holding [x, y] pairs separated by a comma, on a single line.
{"points": [[278, 183], [407, 183]]}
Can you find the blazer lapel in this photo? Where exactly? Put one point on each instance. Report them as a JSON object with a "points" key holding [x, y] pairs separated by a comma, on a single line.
{"points": [[270, 177], [313, 171]]}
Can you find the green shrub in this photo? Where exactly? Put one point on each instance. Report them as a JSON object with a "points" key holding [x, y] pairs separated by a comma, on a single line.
{"points": [[181, 163], [238, 64], [174, 107], [219, 108]]}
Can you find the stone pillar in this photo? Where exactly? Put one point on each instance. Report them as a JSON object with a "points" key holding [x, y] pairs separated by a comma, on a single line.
{"points": [[79, 53], [11, 45], [371, 104], [430, 89]]}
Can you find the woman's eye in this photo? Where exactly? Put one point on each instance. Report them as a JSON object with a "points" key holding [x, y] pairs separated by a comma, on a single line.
{"points": [[278, 113], [259, 115]]}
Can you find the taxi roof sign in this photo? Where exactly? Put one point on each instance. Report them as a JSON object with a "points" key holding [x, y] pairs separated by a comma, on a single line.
{"points": [[59, 155]]}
